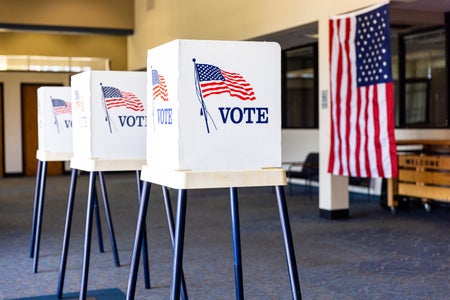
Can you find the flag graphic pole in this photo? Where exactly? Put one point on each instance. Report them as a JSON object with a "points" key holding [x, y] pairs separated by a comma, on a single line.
{"points": [[153, 102], [203, 110], [107, 118], [54, 114]]}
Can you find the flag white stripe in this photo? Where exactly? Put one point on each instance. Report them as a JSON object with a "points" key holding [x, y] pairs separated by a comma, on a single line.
{"points": [[362, 132], [384, 138]]}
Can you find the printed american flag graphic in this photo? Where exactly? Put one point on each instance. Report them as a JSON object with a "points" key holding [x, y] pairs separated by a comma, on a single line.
{"points": [[117, 98], [159, 86], [362, 97], [61, 107], [215, 81], [79, 102]]}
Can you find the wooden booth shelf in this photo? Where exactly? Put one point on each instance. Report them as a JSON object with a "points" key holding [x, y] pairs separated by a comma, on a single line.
{"points": [[425, 176], [94, 165], [53, 156], [185, 179]]}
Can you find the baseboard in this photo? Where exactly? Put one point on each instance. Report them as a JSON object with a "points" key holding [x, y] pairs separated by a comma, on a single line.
{"points": [[334, 214]]}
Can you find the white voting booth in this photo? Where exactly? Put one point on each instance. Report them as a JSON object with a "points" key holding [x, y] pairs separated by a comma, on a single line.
{"points": [[109, 132], [54, 123], [214, 120], [54, 144], [214, 114], [109, 120]]}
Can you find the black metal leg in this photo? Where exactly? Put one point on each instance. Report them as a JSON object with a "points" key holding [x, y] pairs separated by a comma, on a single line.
{"points": [[39, 217], [142, 215], [178, 245], [236, 243], [98, 223], [66, 239], [145, 263], [35, 207], [169, 213], [87, 236], [288, 244], [112, 236]]}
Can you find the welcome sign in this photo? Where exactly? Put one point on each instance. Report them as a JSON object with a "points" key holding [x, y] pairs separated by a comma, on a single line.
{"points": [[54, 120], [109, 115], [214, 105]]}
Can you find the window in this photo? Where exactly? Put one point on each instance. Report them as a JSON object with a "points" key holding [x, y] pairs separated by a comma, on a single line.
{"points": [[52, 63], [422, 96], [300, 88]]}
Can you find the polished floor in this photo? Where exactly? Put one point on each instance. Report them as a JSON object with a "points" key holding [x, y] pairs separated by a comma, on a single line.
{"points": [[372, 255]]}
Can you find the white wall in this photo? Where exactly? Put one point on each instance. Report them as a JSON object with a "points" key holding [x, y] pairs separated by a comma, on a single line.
{"points": [[297, 143], [225, 20], [12, 112]]}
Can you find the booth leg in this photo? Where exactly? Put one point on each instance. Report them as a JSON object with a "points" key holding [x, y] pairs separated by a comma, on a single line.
{"points": [[288, 244], [35, 207], [236, 244], [40, 211], [112, 236], [145, 264], [178, 245], [67, 229], [98, 223], [142, 216], [169, 213], [87, 236]]}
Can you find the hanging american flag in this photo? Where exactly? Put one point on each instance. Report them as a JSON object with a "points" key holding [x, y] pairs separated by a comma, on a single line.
{"points": [[159, 86], [362, 98], [116, 98], [61, 107], [213, 81]]}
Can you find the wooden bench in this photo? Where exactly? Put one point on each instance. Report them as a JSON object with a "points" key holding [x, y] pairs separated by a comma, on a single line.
{"points": [[422, 176]]}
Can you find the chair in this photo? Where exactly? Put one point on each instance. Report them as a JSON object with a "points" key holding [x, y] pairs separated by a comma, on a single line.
{"points": [[309, 171]]}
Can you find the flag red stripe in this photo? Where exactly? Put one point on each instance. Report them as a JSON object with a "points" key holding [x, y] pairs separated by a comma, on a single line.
{"points": [[376, 125], [218, 87], [338, 101], [332, 128], [391, 128]]}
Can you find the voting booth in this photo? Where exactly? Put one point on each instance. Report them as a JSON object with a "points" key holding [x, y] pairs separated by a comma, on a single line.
{"points": [[54, 144], [54, 123], [109, 133], [214, 120], [109, 117], [213, 106]]}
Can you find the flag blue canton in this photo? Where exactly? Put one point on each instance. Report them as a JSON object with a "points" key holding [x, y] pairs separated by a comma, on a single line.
{"points": [[209, 72], [111, 92], [373, 55], [155, 77], [58, 103]]}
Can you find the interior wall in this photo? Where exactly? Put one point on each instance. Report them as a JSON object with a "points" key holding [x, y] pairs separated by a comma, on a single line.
{"points": [[12, 112], [115, 14], [230, 20]]}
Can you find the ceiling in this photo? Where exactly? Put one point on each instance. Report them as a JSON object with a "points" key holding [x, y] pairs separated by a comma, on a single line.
{"points": [[406, 16]]}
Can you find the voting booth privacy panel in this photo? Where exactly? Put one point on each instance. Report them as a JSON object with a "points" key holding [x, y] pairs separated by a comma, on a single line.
{"points": [[55, 120], [109, 117], [214, 106]]}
